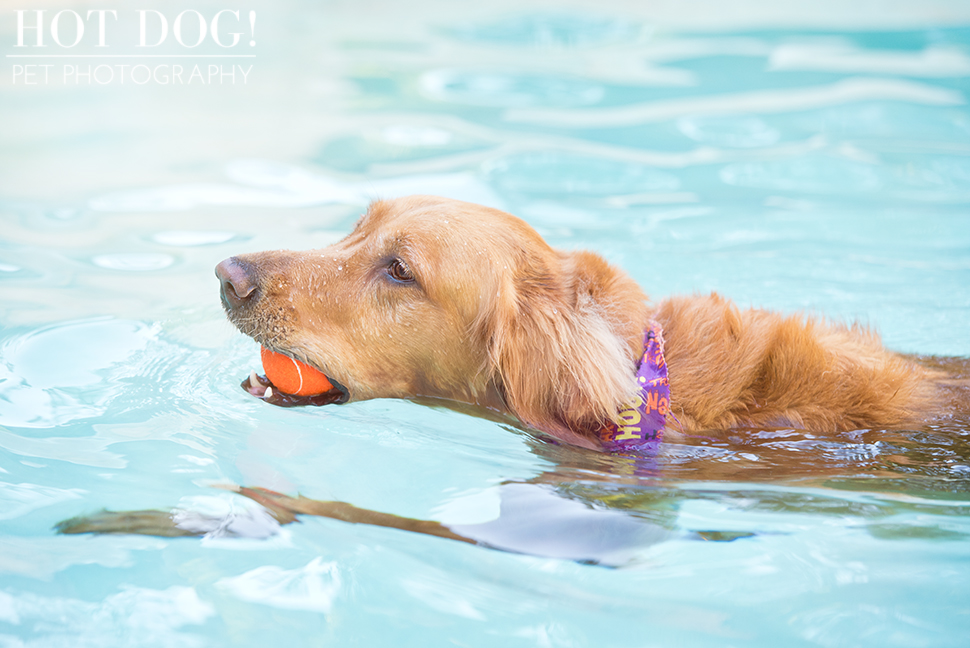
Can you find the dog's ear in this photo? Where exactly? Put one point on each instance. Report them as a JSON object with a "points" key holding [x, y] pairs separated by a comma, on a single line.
{"points": [[563, 335]]}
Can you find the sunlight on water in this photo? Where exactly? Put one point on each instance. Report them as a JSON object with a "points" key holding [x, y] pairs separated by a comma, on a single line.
{"points": [[799, 157]]}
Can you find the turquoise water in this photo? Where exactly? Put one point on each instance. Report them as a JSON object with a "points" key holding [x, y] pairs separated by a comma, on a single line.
{"points": [[801, 158]]}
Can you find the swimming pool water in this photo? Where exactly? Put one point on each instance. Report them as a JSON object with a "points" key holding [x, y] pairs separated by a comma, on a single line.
{"points": [[800, 158]]}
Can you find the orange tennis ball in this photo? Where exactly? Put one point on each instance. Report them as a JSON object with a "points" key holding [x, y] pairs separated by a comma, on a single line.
{"points": [[292, 376]]}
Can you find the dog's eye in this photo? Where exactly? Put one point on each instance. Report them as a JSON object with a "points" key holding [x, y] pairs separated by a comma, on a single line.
{"points": [[399, 271]]}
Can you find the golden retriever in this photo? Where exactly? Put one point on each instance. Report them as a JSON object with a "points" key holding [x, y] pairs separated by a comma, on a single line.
{"points": [[435, 298], [431, 297]]}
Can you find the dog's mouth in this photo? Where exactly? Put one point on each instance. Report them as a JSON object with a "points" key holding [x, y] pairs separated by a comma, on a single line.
{"points": [[262, 388]]}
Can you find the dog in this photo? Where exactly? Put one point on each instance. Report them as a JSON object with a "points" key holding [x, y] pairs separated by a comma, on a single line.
{"points": [[431, 298], [436, 298]]}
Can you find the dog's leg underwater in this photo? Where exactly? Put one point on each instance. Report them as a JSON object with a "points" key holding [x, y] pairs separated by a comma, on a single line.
{"points": [[531, 518]]}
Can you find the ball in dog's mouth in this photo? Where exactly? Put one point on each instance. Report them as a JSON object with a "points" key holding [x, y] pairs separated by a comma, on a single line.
{"points": [[289, 382]]}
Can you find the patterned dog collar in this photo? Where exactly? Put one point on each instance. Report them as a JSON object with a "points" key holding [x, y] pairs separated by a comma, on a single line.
{"points": [[638, 427]]}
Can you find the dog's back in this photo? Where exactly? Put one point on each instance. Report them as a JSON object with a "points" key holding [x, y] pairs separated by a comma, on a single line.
{"points": [[753, 368]]}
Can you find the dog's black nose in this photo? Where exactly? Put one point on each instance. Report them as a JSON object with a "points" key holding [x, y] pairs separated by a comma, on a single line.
{"points": [[237, 281]]}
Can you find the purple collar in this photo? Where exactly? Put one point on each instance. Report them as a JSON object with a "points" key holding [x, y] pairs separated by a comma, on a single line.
{"points": [[638, 427]]}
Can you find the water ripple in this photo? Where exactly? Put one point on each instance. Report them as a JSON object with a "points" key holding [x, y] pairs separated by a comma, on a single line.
{"points": [[842, 57], [565, 173], [505, 89], [550, 30], [313, 587], [754, 101]]}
